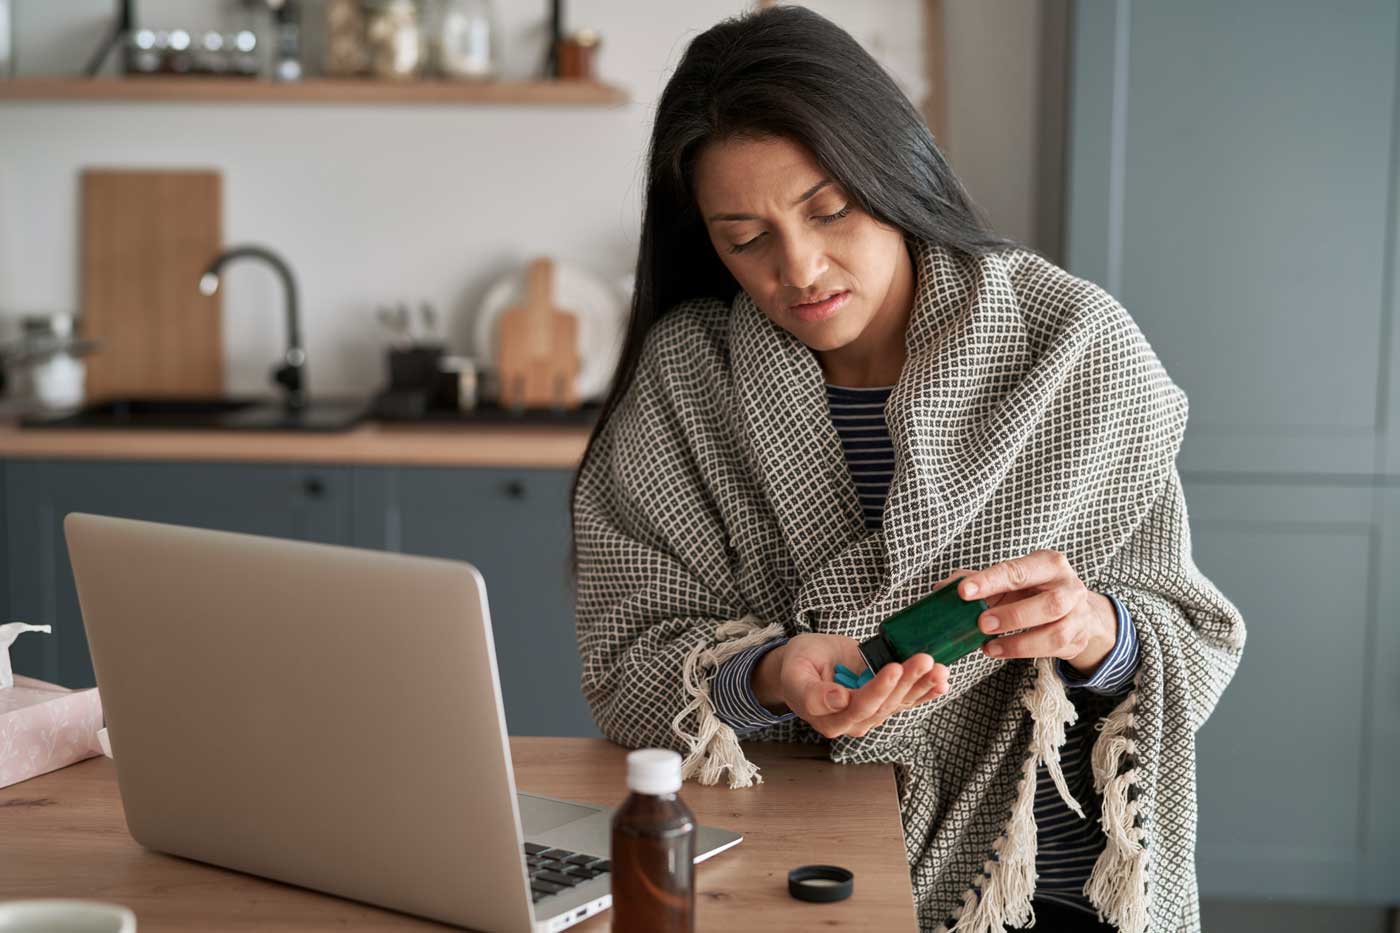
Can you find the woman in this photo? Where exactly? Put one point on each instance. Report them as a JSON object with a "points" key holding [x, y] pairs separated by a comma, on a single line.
{"points": [[840, 390]]}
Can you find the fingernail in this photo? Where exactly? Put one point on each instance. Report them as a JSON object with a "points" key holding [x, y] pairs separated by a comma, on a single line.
{"points": [[970, 589], [994, 649], [990, 623], [835, 699]]}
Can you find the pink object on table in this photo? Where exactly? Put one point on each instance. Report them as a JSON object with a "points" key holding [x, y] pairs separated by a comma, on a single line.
{"points": [[44, 727]]}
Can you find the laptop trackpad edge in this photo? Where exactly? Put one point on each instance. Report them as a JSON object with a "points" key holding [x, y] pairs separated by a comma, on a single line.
{"points": [[541, 814]]}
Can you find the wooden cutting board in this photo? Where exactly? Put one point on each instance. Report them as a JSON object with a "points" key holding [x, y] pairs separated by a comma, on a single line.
{"points": [[537, 359], [147, 236]]}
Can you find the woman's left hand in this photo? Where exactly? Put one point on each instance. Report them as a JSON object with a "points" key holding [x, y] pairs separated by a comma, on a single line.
{"points": [[1042, 594]]}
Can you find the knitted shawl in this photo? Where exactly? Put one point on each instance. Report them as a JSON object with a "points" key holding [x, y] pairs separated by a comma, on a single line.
{"points": [[716, 510]]}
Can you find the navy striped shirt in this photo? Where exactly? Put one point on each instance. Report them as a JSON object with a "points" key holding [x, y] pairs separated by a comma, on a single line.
{"points": [[1067, 845]]}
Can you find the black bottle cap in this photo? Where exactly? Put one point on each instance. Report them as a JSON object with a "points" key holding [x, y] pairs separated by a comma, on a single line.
{"points": [[876, 652], [821, 883]]}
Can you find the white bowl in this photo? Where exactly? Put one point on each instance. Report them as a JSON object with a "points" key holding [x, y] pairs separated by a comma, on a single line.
{"points": [[65, 915]]}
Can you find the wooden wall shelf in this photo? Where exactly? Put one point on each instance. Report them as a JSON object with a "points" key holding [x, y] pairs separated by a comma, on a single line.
{"points": [[162, 89]]}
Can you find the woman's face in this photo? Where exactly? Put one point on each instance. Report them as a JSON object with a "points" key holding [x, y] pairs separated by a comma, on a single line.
{"points": [[792, 237]]}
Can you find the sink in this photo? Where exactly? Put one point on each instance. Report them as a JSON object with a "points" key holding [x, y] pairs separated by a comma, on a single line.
{"points": [[247, 414]]}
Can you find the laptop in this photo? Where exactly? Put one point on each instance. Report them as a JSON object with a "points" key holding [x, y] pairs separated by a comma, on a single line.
{"points": [[329, 717]]}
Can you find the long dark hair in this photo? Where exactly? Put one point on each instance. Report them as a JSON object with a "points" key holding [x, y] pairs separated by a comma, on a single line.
{"points": [[782, 72]]}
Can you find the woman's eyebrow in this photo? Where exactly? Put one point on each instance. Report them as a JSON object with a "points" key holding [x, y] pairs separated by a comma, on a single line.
{"points": [[805, 195]]}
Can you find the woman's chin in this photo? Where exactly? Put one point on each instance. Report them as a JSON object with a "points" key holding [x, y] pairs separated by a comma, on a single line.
{"points": [[824, 336], [820, 346]]}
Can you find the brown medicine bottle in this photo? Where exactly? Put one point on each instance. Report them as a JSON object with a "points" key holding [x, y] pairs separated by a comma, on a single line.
{"points": [[653, 849]]}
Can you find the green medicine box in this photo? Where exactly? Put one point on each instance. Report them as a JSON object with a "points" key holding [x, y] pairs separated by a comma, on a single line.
{"points": [[942, 624]]}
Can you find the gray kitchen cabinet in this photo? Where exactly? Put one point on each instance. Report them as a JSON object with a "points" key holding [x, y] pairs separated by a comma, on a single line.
{"points": [[305, 502], [1231, 182], [4, 561], [1288, 804], [1381, 875], [513, 525]]}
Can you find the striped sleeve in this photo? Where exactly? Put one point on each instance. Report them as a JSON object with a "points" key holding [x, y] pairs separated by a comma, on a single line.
{"points": [[1115, 672], [732, 692]]}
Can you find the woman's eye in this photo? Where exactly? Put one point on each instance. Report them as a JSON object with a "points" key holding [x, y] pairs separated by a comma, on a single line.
{"points": [[820, 218], [740, 247], [832, 218]]}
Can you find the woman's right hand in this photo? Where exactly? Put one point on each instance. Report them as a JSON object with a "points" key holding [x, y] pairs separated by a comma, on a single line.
{"points": [[798, 676]]}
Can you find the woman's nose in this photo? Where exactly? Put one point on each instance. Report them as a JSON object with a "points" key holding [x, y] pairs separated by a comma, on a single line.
{"points": [[803, 264]]}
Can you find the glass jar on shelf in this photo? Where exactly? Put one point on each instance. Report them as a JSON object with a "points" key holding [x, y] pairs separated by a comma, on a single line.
{"points": [[466, 40], [577, 54], [346, 54], [7, 55], [394, 39]]}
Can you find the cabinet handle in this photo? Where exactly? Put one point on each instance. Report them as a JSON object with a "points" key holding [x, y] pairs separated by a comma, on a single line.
{"points": [[514, 489], [314, 487]]}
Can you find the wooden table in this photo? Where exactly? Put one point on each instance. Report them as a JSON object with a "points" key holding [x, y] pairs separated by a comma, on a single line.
{"points": [[63, 834]]}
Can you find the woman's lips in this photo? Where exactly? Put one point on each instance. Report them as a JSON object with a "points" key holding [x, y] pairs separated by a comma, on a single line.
{"points": [[819, 310]]}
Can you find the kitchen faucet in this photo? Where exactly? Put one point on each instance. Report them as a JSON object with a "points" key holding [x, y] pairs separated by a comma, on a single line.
{"points": [[291, 374]]}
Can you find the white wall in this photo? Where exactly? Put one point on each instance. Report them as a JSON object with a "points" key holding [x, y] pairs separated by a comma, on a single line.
{"points": [[379, 204]]}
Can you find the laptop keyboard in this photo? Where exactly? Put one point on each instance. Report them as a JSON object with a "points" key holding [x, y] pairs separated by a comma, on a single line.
{"points": [[555, 870]]}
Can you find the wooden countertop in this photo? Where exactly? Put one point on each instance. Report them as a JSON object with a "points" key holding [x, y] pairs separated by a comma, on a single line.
{"points": [[371, 442], [65, 836]]}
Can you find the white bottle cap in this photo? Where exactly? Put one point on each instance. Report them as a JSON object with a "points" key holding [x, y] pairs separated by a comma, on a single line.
{"points": [[654, 771]]}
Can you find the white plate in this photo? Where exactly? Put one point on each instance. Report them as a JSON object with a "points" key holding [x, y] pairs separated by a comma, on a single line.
{"points": [[599, 307]]}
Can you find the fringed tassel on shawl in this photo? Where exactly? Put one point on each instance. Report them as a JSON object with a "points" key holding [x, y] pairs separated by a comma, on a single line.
{"points": [[1002, 894], [1118, 884], [1052, 712], [714, 748]]}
